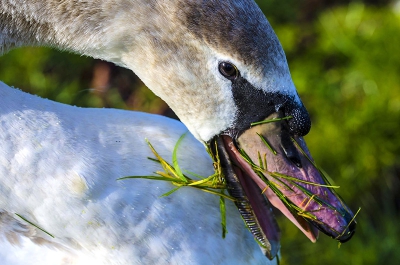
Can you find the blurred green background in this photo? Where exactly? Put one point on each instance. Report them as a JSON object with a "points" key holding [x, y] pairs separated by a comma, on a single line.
{"points": [[345, 61]]}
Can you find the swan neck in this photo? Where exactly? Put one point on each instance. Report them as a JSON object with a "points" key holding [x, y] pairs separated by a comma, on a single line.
{"points": [[84, 27]]}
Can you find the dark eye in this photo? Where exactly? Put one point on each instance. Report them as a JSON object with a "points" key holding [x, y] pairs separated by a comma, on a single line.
{"points": [[228, 70]]}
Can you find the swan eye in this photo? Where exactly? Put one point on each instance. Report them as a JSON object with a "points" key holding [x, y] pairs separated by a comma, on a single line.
{"points": [[228, 70]]}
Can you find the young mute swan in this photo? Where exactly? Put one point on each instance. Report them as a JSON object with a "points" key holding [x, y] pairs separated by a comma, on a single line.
{"points": [[220, 67]]}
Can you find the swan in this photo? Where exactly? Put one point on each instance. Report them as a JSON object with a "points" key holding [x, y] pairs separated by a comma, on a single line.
{"points": [[220, 67]]}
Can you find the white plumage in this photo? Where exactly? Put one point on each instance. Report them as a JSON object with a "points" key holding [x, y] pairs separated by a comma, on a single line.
{"points": [[58, 167]]}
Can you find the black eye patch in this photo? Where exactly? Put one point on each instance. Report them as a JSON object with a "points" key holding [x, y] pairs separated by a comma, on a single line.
{"points": [[255, 105]]}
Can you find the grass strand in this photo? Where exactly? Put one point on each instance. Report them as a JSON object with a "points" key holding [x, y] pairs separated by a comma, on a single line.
{"points": [[38, 227], [214, 184]]}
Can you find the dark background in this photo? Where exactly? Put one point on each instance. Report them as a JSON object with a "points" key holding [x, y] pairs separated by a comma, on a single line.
{"points": [[345, 61]]}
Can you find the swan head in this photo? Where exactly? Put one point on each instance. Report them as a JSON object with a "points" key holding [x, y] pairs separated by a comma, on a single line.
{"points": [[184, 53], [220, 67]]}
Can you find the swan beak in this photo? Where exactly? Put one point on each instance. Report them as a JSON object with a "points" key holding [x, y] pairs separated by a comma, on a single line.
{"points": [[266, 166]]}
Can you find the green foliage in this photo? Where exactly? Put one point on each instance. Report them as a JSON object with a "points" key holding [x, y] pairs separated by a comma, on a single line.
{"points": [[37, 70], [345, 64], [346, 67], [280, 11], [72, 79]]}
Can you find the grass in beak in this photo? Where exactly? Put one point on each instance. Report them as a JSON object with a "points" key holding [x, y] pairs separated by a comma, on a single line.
{"points": [[277, 183], [310, 160], [262, 161], [271, 120], [324, 177], [214, 184], [38, 227], [267, 144]]}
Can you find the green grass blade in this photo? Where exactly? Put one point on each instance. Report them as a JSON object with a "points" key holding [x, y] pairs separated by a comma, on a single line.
{"points": [[38, 227], [267, 144], [194, 174], [147, 177], [215, 193], [271, 120], [175, 158], [222, 209], [170, 192], [205, 181], [352, 220], [260, 161], [303, 181], [167, 167]]}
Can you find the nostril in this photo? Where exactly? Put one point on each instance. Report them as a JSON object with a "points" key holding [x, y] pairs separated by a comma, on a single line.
{"points": [[293, 156], [290, 149], [295, 160]]}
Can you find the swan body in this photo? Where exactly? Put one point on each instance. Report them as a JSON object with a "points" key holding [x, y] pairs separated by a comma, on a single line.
{"points": [[59, 166], [220, 67]]}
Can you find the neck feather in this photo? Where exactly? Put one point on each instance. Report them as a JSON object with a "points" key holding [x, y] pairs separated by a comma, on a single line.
{"points": [[86, 27]]}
